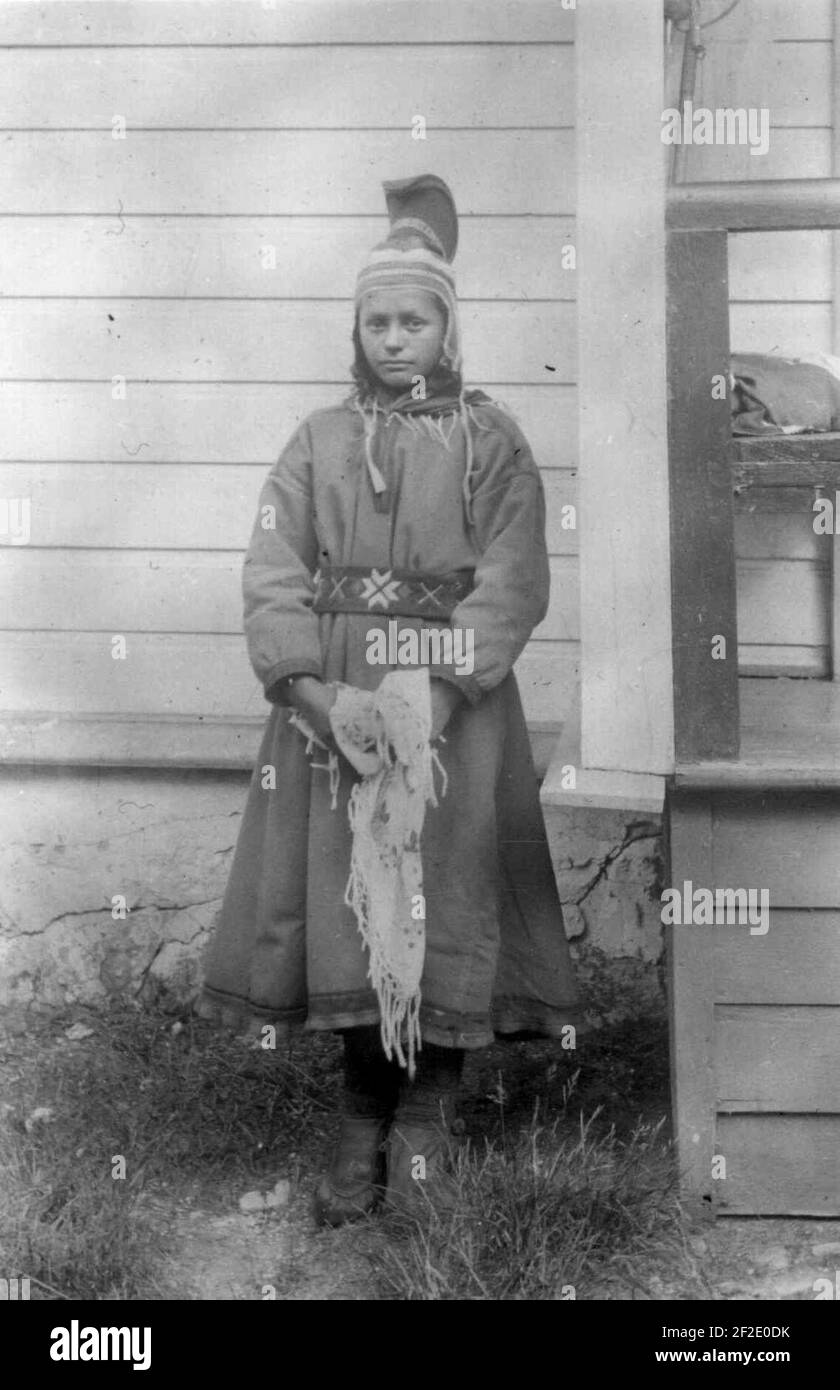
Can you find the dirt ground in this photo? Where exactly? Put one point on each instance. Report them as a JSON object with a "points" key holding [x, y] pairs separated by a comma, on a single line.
{"points": [[240, 1256]]}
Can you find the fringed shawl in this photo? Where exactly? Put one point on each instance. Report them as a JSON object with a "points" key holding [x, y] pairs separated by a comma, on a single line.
{"points": [[385, 735]]}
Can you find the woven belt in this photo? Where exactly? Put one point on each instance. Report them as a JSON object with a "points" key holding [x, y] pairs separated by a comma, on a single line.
{"points": [[407, 593]]}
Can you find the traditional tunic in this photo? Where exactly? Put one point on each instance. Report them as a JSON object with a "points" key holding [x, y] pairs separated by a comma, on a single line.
{"points": [[287, 948]]}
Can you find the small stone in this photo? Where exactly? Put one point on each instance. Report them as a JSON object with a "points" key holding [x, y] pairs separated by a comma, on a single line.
{"points": [[826, 1249], [731, 1286], [252, 1201], [803, 1282], [774, 1257], [698, 1245], [177, 1028], [279, 1194], [41, 1116], [573, 921], [77, 1032]]}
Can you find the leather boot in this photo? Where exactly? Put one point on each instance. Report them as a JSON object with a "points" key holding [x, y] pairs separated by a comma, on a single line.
{"points": [[353, 1185], [420, 1146], [419, 1151]]}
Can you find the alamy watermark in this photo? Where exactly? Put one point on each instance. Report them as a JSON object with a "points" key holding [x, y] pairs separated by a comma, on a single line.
{"points": [[428, 646], [707, 907], [725, 125], [15, 520], [14, 1290], [81, 1343]]}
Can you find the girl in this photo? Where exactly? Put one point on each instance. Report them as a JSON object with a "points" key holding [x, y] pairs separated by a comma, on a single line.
{"points": [[413, 501]]}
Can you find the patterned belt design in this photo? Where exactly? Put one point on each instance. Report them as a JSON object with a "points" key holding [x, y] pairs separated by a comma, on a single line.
{"points": [[407, 593]]}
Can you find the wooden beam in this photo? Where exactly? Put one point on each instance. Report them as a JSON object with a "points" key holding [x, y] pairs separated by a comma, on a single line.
{"points": [[691, 1001], [835, 169], [790, 739], [835, 333], [806, 452], [784, 481], [770, 205], [702, 530]]}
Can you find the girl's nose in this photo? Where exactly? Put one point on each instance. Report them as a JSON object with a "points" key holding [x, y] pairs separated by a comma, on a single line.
{"points": [[393, 336]]}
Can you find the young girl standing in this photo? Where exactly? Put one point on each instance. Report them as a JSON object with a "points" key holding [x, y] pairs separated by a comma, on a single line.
{"points": [[413, 500]]}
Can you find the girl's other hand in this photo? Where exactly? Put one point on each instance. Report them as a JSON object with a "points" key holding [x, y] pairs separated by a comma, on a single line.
{"points": [[445, 698], [314, 700]]}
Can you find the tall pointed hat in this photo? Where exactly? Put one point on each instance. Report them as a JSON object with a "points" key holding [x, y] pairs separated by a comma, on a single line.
{"points": [[418, 250]]}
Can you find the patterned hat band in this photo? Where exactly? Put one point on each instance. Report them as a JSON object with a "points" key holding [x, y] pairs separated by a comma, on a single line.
{"points": [[391, 263]]}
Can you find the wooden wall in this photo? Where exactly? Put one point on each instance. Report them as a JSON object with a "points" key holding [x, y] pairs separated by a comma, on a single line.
{"points": [[247, 126], [769, 53], [259, 125], [755, 1016]]}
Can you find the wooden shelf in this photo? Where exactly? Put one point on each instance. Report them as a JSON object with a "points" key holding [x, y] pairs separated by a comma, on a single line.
{"points": [[786, 473], [790, 738], [801, 450]]}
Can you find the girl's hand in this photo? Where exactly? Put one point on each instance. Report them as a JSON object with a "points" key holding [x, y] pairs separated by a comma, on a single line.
{"points": [[314, 700], [445, 698]]}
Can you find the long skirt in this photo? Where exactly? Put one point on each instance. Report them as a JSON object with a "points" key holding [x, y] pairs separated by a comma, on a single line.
{"points": [[287, 949]]}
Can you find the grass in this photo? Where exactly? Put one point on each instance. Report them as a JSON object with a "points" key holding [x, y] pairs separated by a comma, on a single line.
{"points": [[546, 1217], [564, 1176], [190, 1110]]}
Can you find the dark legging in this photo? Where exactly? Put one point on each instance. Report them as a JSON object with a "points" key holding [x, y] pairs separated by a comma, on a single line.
{"points": [[373, 1086]]}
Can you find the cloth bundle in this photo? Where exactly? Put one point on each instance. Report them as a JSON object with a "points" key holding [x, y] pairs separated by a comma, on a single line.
{"points": [[385, 735], [771, 394]]}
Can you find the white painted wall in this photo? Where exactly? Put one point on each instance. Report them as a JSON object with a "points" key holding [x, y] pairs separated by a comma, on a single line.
{"points": [[248, 125]]}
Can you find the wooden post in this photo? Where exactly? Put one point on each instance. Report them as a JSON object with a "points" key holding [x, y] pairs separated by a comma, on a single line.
{"points": [[702, 530], [691, 1000], [626, 698], [835, 333]]}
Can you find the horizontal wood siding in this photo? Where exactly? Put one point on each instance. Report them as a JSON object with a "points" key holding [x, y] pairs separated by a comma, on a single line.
{"points": [[213, 422], [779, 1165], [281, 87], [759, 1054], [789, 846], [781, 296], [168, 257], [104, 23], [797, 962], [209, 258], [761, 1076]]}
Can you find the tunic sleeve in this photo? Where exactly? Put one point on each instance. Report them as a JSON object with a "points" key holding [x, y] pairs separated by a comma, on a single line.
{"points": [[281, 629], [511, 582]]}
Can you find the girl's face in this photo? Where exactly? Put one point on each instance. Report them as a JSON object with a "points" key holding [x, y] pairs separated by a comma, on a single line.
{"points": [[401, 333]]}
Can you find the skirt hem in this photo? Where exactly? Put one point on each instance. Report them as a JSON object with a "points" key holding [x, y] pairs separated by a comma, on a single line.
{"points": [[509, 1018]]}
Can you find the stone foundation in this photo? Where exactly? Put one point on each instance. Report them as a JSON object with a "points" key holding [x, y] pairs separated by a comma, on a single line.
{"points": [[75, 842]]}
